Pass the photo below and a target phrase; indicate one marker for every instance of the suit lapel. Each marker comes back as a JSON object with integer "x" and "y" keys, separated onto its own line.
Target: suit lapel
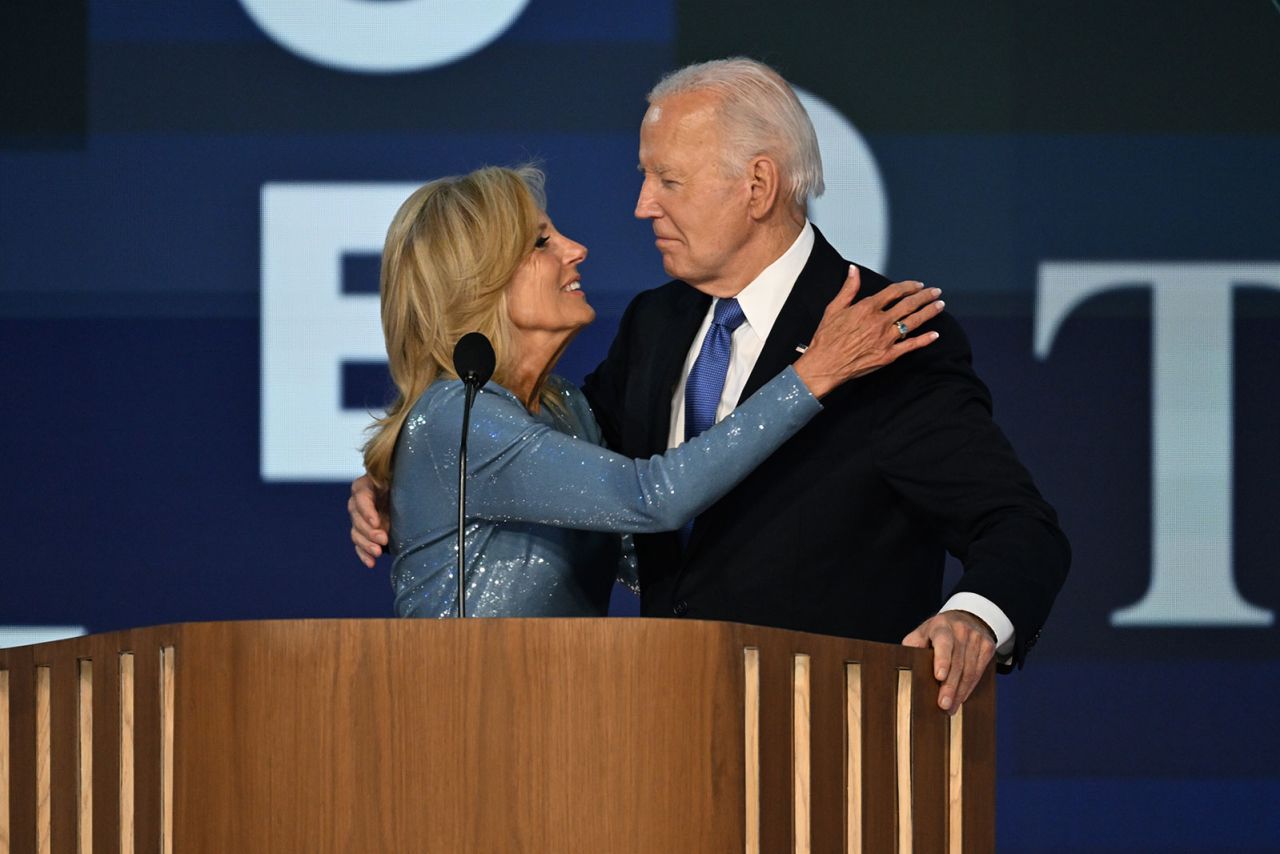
{"x": 817, "y": 285}
{"x": 671, "y": 346}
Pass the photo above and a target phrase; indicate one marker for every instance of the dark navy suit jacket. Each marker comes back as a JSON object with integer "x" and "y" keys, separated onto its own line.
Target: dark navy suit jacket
{"x": 843, "y": 530}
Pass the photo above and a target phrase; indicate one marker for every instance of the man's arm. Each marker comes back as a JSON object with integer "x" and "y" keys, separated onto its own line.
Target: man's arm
{"x": 940, "y": 449}
{"x": 369, "y": 524}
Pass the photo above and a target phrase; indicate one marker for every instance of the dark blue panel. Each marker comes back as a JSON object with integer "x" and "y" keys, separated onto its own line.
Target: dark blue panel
{"x": 179, "y": 214}
{"x": 1179, "y": 816}
{"x": 137, "y": 445}
{"x": 359, "y": 273}
{"x": 130, "y": 331}
{"x": 1175, "y": 719}
{"x": 366, "y": 386}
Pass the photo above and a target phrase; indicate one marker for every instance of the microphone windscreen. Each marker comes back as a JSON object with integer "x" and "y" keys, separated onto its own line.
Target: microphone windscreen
{"x": 473, "y": 359}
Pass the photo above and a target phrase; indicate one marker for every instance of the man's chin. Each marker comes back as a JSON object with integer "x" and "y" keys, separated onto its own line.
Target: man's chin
{"x": 670, "y": 266}
{"x": 677, "y": 267}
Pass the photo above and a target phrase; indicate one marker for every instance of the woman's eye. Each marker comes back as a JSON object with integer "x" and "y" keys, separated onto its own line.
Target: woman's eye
{"x": 542, "y": 241}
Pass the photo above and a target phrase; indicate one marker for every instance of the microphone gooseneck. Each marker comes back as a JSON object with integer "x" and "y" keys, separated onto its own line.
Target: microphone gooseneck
{"x": 473, "y": 361}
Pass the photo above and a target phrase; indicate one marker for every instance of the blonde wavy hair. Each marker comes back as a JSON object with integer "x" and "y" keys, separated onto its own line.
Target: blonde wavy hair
{"x": 452, "y": 249}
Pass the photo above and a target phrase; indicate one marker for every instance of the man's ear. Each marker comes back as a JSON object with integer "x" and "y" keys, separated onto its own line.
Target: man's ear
{"x": 762, "y": 173}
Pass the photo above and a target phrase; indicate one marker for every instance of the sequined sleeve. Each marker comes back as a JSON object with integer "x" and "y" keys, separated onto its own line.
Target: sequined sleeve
{"x": 524, "y": 471}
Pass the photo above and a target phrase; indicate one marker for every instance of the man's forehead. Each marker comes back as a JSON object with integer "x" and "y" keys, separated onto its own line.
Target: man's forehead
{"x": 684, "y": 119}
{"x": 699, "y": 105}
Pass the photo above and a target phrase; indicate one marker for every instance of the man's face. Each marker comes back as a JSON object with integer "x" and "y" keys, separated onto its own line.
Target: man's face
{"x": 700, "y": 217}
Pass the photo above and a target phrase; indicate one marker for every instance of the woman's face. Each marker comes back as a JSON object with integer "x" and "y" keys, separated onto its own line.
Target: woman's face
{"x": 545, "y": 295}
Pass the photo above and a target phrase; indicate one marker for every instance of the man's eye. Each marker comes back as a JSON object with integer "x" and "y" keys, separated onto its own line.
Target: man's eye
{"x": 668, "y": 183}
{"x": 542, "y": 241}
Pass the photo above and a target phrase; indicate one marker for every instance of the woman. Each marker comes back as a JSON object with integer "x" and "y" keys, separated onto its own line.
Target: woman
{"x": 547, "y": 502}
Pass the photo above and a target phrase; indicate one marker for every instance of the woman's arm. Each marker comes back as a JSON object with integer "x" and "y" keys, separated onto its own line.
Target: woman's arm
{"x": 525, "y": 471}
{"x": 522, "y": 470}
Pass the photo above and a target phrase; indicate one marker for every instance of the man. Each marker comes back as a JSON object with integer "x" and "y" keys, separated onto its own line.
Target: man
{"x": 843, "y": 530}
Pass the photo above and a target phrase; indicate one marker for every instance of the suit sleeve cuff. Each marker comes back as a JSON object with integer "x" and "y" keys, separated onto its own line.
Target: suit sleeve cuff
{"x": 987, "y": 611}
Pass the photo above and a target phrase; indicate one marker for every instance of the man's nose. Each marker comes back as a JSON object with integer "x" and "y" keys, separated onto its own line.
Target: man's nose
{"x": 646, "y": 208}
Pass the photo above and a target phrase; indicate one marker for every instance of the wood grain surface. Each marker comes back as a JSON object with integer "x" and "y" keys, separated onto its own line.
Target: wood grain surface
{"x": 620, "y": 735}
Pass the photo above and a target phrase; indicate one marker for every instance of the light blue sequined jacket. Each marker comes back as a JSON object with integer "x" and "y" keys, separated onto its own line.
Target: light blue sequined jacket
{"x": 545, "y": 502}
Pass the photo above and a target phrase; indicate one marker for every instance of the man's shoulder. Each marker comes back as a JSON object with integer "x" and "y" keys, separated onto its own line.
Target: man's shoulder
{"x": 664, "y": 303}
{"x": 826, "y": 263}
{"x": 670, "y": 293}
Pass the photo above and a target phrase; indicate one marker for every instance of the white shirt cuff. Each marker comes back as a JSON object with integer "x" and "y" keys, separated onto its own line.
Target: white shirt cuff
{"x": 987, "y": 611}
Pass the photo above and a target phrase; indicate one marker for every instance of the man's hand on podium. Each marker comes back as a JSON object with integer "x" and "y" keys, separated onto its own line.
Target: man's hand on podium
{"x": 963, "y": 646}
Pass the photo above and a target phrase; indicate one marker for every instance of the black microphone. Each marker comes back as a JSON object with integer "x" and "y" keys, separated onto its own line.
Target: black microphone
{"x": 473, "y": 361}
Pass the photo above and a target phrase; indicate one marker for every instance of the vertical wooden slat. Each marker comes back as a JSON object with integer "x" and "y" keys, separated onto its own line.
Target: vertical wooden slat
{"x": 800, "y": 754}
{"x": 903, "y": 763}
{"x": 928, "y": 763}
{"x": 775, "y": 748}
{"x": 4, "y": 762}
{"x": 44, "y": 761}
{"x": 879, "y": 758}
{"x": 84, "y": 745}
{"x": 979, "y": 768}
{"x": 64, "y": 733}
{"x": 751, "y": 746}
{"x": 146, "y": 749}
{"x": 826, "y": 749}
{"x": 167, "y": 678}
{"x": 22, "y": 750}
{"x": 127, "y": 752}
{"x": 955, "y": 783}
{"x": 853, "y": 757}
{"x": 106, "y": 747}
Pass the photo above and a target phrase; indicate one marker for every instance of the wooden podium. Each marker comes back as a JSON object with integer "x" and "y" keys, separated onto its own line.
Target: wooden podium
{"x": 486, "y": 735}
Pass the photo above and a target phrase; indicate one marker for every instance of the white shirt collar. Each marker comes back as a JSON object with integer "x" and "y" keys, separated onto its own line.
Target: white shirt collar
{"x": 761, "y": 300}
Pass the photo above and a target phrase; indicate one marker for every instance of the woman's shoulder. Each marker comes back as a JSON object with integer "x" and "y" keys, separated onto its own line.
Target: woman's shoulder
{"x": 445, "y": 395}
{"x": 439, "y": 394}
{"x": 433, "y": 427}
{"x": 444, "y": 390}
{"x": 578, "y": 417}
{"x": 564, "y": 390}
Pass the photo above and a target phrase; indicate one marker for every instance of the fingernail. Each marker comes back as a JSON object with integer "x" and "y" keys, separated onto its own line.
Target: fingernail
{"x": 940, "y": 304}
{"x": 937, "y": 291}
{"x": 946, "y": 703}
{"x": 941, "y": 674}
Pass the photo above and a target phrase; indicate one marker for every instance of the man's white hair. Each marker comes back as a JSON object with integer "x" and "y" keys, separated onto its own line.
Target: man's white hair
{"x": 759, "y": 114}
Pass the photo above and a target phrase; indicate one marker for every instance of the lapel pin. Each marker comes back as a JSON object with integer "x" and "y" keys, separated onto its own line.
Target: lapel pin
{"x": 800, "y": 348}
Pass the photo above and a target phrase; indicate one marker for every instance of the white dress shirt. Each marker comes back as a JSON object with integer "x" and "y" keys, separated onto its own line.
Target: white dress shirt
{"x": 761, "y": 302}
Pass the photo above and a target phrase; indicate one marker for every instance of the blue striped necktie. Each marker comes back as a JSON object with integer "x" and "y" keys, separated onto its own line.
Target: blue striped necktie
{"x": 706, "y": 379}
